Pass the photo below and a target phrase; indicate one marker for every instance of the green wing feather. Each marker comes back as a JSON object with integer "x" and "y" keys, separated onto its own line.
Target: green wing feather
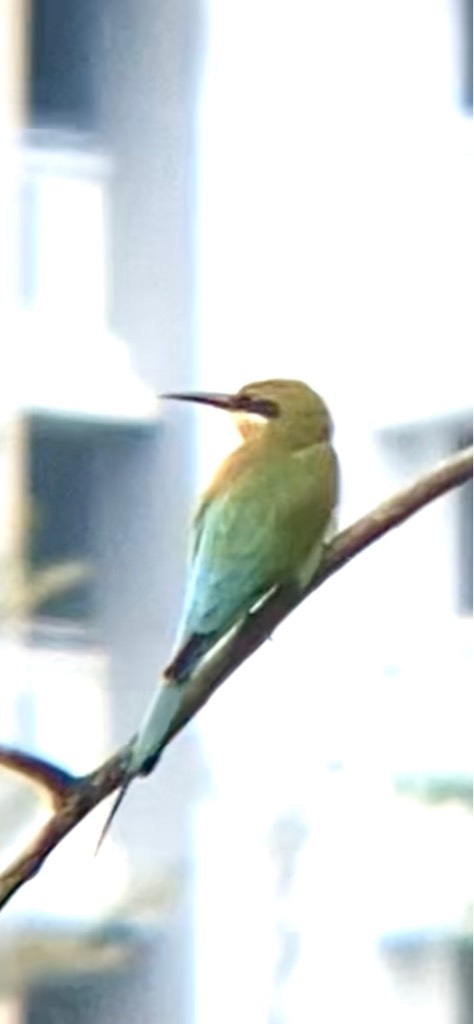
{"x": 256, "y": 526}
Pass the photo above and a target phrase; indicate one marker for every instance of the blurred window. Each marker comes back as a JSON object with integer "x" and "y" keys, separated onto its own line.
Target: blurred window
{"x": 65, "y": 65}
{"x": 61, "y": 486}
{"x": 413, "y": 448}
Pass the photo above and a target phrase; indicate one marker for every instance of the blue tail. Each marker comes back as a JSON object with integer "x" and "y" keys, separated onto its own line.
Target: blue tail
{"x": 154, "y": 729}
{"x": 147, "y": 745}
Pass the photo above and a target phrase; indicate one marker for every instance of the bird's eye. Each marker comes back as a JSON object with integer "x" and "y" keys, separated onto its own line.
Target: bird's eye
{"x": 259, "y": 406}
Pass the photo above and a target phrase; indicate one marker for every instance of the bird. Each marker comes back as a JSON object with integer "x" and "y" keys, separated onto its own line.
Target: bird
{"x": 262, "y": 523}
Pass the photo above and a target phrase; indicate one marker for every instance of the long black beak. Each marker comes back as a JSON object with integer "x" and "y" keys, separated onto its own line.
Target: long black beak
{"x": 231, "y": 403}
{"x": 221, "y": 401}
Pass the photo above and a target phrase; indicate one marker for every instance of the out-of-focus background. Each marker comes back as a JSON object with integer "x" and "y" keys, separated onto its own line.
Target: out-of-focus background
{"x": 203, "y": 193}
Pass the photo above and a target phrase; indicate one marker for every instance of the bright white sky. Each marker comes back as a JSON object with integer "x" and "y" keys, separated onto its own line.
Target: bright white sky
{"x": 335, "y": 234}
{"x": 335, "y": 210}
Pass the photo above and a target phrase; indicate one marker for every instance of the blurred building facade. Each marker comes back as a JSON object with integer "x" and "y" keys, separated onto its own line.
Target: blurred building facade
{"x": 97, "y": 138}
{"x": 274, "y": 224}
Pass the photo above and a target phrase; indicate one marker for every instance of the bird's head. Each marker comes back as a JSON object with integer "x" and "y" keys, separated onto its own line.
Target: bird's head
{"x": 287, "y": 410}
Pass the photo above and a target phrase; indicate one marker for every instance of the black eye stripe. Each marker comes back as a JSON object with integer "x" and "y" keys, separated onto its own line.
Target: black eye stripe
{"x": 259, "y": 406}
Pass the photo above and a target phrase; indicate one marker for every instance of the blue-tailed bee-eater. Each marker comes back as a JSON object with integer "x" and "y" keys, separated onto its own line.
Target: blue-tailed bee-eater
{"x": 260, "y": 524}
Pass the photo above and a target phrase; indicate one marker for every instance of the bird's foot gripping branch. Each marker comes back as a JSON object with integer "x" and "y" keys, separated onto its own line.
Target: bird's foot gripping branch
{"x": 73, "y": 797}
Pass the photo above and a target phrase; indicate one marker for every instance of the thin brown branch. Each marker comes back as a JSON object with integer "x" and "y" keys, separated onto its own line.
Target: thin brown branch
{"x": 73, "y": 797}
{"x": 48, "y": 776}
